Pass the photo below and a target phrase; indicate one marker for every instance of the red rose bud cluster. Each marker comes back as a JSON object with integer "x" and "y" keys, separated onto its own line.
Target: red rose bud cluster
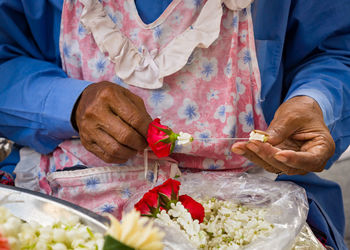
{"x": 160, "y": 138}
{"x": 161, "y": 197}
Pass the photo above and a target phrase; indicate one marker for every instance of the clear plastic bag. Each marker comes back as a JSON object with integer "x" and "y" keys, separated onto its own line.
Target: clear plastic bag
{"x": 285, "y": 202}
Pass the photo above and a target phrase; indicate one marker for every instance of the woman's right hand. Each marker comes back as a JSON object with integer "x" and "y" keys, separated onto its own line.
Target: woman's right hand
{"x": 112, "y": 122}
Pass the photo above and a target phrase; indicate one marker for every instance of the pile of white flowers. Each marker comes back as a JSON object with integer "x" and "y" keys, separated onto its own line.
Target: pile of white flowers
{"x": 69, "y": 234}
{"x": 226, "y": 225}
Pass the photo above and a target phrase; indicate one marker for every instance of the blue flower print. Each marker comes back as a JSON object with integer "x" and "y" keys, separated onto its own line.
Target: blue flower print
{"x": 230, "y": 127}
{"x": 221, "y": 111}
{"x": 126, "y": 193}
{"x": 81, "y": 30}
{"x": 115, "y": 16}
{"x": 92, "y": 183}
{"x": 247, "y": 58}
{"x": 189, "y": 111}
{"x": 52, "y": 168}
{"x": 234, "y": 22}
{"x": 228, "y": 68}
{"x": 244, "y": 61}
{"x": 212, "y": 164}
{"x": 246, "y": 119}
{"x": 204, "y": 137}
{"x": 98, "y": 65}
{"x": 190, "y": 4}
{"x": 150, "y": 176}
{"x": 160, "y": 100}
{"x": 157, "y": 32}
{"x": 66, "y": 50}
{"x": 213, "y": 94}
{"x": 107, "y": 208}
{"x": 208, "y": 69}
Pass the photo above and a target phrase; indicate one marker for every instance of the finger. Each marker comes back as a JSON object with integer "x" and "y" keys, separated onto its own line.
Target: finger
{"x": 266, "y": 153}
{"x": 99, "y": 152}
{"x": 278, "y": 131}
{"x": 301, "y": 160}
{"x": 123, "y": 133}
{"x": 241, "y": 149}
{"x": 111, "y": 149}
{"x": 131, "y": 114}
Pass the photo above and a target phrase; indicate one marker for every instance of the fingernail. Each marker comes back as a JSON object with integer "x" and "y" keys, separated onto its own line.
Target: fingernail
{"x": 253, "y": 147}
{"x": 237, "y": 151}
{"x": 281, "y": 158}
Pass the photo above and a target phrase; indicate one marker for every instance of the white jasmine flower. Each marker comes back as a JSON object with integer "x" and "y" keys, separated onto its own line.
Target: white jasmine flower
{"x": 184, "y": 138}
{"x": 258, "y": 136}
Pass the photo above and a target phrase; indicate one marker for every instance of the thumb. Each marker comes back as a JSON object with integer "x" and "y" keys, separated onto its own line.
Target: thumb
{"x": 279, "y": 130}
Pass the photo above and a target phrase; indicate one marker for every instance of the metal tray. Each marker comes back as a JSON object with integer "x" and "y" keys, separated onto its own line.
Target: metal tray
{"x": 45, "y": 209}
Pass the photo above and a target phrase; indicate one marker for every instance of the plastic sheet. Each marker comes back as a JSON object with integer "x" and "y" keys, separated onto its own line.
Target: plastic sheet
{"x": 285, "y": 202}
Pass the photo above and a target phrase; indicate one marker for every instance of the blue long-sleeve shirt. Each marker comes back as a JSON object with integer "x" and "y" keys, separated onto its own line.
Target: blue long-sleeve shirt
{"x": 303, "y": 48}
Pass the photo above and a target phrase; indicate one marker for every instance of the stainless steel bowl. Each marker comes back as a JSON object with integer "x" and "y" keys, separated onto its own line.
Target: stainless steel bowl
{"x": 45, "y": 209}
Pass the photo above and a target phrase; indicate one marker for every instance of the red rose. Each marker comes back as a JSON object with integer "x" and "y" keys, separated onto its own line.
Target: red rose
{"x": 149, "y": 204}
{"x": 168, "y": 192}
{"x": 4, "y": 245}
{"x": 194, "y": 208}
{"x": 160, "y": 138}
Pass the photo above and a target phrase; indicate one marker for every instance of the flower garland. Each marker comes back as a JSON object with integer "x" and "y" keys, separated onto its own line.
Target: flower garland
{"x": 208, "y": 224}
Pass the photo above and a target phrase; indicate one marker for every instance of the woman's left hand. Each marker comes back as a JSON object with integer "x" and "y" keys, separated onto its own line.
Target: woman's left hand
{"x": 299, "y": 141}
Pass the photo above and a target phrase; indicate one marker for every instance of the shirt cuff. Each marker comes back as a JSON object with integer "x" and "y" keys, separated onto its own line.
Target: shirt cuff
{"x": 321, "y": 98}
{"x": 59, "y": 106}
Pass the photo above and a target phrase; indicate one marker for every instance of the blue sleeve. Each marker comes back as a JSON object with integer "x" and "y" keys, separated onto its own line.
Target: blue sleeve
{"x": 321, "y": 30}
{"x": 36, "y": 96}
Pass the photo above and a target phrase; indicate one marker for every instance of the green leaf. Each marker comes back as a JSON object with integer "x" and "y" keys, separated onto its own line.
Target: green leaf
{"x": 113, "y": 244}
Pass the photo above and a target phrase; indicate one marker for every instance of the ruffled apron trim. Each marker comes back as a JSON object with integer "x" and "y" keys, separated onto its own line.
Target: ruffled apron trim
{"x": 146, "y": 69}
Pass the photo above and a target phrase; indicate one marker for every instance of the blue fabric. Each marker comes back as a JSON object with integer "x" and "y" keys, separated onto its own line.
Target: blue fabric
{"x": 150, "y": 10}
{"x": 326, "y": 211}
{"x": 303, "y": 48}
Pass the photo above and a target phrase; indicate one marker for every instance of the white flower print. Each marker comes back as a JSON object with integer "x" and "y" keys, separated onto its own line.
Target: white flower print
{"x": 81, "y": 31}
{"x": 191, "y": 4}
{"x": 71, "y": 52}
{"x": 212, "y": 164}
{"x": 176, "y": 18}
{"x": 98, "y": 65}
{"x": 189, "y": 111}
{"x": 161, "y": 33}
{"x": 239, "y": 87}
{"x": 184, "y": 149}
{"x": 228, "y": 153}
{"x": 129, "y": 8}
{"x": 246, "y": 119}
{"x": 115, "y": 15}
{"x": 243, "y": 36}
{"x": 184, "y": 82}
{"x": 202, "y": 125}
{"x": 228, "y": 68}
{"x": 231, "y": 21}
{"x": 204, "y": 137}
{"x": 207, "y": 69}
{"x": 230, "y": 127}
{"x": 244, "y": 59}
{"x": 134, "y": 34}
{"x": 213, "y": 94}
{"x": 160, "y": 100}
{"x": 220, "y": 113}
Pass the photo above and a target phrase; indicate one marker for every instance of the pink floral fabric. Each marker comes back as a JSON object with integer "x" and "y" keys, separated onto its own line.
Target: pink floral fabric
{"x": 216, "y": 94}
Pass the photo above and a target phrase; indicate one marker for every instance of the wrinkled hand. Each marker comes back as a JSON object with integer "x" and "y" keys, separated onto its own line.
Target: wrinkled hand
{"x": 299, "y": 141}
{"x": 112, "y": 122}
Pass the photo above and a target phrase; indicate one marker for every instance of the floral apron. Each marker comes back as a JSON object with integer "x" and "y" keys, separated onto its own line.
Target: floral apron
{"x": 195, "y": 67}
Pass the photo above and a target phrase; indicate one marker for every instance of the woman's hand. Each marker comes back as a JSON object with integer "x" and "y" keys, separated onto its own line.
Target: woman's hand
{"x": 112, "y": 122}
{"x": 299, "y": 141}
